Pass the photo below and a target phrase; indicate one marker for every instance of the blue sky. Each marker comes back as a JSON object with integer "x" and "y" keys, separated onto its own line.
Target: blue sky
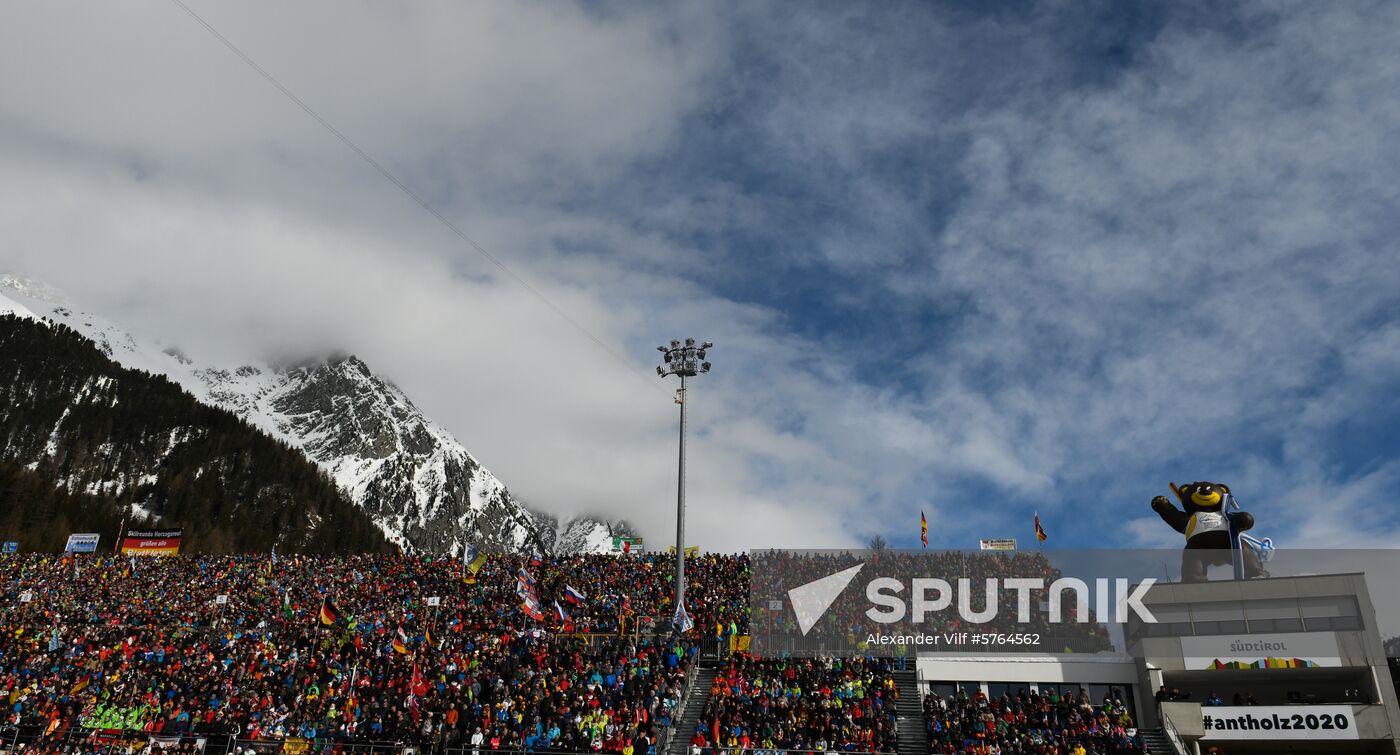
{"x": 975, "y": 260}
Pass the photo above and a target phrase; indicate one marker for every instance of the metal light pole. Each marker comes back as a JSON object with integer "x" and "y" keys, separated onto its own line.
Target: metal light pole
{"x": 686, "y": 361}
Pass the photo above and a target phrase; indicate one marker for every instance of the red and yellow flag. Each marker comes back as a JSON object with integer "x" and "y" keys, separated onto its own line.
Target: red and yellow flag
{"x": 1040, "y": 531}
{"x": 923, "y": 528}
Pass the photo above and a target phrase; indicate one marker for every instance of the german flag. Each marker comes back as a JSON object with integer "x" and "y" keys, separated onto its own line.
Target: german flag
{"x": 400, "y": 642}
{"x": 1040, "y": 531}
{"x": 428, "y": 636}
{"x": 923, "y": 528}
{"x": 329, "y": 613}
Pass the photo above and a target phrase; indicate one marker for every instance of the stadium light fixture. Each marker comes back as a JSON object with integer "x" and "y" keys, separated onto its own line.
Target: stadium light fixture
{"x": 686, "y": 362}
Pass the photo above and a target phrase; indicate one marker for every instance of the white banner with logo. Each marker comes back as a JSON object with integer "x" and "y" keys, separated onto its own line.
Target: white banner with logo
{"x": 1286, "y": 650}
{"x": 1311, "y": 722}
{"x": 82, "y": 542}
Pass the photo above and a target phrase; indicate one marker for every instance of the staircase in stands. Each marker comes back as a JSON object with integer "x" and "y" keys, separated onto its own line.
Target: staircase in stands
{"x": 1157, "y": 742}
{"x": 909, "y": 712}
{"x": 692, "y": 705}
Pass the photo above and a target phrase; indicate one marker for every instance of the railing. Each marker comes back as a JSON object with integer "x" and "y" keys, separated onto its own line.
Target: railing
{"x": 113, "y": 742}
{"x": 692, "y": 670}
{"x": 772, "y": 751}
{"x": 1168, "y": 728}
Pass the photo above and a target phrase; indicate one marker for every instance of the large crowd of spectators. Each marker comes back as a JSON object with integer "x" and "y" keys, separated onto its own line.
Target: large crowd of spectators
{"x": 1029, "y": 723}
{"x": 323, "y": 653}
{"x": 803, "y": 704}
{"x": 235, "y": 647}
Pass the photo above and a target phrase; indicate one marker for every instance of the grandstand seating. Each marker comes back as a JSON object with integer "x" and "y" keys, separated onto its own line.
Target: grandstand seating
{"x": 1028, "y": 722}
{"x": 347, "y": 655}
{"x": 235, "y": 647}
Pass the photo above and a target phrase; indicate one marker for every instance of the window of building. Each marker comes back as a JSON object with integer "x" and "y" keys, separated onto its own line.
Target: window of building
{"x": 1294, "y": 624}
{"x": 943, "y": 690}
{"x": 1223, "y": 617}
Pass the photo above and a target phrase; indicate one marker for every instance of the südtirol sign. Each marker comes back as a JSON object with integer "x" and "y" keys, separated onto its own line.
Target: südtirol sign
{"x": 1242, "y": 651}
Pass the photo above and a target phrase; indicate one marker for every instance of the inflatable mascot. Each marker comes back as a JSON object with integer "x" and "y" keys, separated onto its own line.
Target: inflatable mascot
{"x": 1212, "y": 523}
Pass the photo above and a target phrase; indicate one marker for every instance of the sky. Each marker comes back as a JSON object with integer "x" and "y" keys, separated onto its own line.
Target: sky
{"x": 975, "y": 260}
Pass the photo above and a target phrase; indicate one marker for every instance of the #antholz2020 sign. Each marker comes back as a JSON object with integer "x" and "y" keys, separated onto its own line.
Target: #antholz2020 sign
{"x": 1279, "y": 722}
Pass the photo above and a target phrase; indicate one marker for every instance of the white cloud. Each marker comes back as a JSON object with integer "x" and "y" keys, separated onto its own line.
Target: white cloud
{"x": 1182, "y": 268}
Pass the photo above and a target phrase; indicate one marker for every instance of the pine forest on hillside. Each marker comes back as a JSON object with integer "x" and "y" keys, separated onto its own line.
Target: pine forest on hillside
{"x": 82, "y": 440}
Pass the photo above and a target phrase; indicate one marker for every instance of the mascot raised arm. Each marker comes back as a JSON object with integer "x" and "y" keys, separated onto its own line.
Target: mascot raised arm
{"x": 1211, "y": 530}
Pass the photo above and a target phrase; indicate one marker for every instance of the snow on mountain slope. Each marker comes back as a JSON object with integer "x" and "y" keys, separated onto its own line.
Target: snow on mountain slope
{"x": 420, "y": 485}
{"x": 11, "y": 307}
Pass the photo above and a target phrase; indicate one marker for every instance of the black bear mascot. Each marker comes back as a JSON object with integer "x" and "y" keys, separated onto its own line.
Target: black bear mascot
{"x": 1208, "y": 528}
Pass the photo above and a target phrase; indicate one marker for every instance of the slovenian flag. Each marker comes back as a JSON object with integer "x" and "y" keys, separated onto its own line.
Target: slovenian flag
{"x": 572, "y": 596}
{"x": 923, "y": 528}
{"x": 1040, "y": 531}
{"x": 401, "y": 642}
{"x": 532, "y": 609}
{"x": 524, "y": 577}
{"x": 329, "y": 613}
{"x": 559, "y": 611}
{"x": 536, "y": 558}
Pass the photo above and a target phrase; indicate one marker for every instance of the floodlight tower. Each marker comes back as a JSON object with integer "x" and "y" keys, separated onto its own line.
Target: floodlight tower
{"x": 686, "y": 360}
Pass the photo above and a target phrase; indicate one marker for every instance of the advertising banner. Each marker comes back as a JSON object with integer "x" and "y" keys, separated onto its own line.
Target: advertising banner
{"x": 152, "y": 542}
{"x": 84, "y": 542}
{"x": 1274, "y": 722}
{"x": 1290, "y": 650}
{"x": 10, "y": 546}
{"x": 998, "y": 544}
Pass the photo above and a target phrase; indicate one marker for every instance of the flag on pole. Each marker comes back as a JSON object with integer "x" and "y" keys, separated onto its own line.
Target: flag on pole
{"x": 559, "y": 611}
{"x": 474, "y": 559}
{"x": 524, "y": 577}
{"x": 419, "y": 686}
{"x": 400, "y": 643}
{"x": 329, "y": 613}
{"x": 428, "y": 636}
{"x": 923, "y": 528}
{"x": 682, "y": 619}
{"x": 626, "y": 547}
{"x": 572, "y": 596}
{"x": 1040, "y": 531}
{"x": 532, "y": 608}
{"x": 536, "y": 558}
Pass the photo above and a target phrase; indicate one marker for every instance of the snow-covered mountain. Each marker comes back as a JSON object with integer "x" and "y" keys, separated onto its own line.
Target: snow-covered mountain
{"x": 418, "y": 483}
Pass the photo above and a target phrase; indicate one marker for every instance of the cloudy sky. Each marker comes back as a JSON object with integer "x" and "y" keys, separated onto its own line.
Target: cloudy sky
{"x": 979, "y": 261}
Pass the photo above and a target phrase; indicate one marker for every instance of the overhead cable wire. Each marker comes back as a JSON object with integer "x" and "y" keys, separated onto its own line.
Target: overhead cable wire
{"x": 411, "y": 194}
